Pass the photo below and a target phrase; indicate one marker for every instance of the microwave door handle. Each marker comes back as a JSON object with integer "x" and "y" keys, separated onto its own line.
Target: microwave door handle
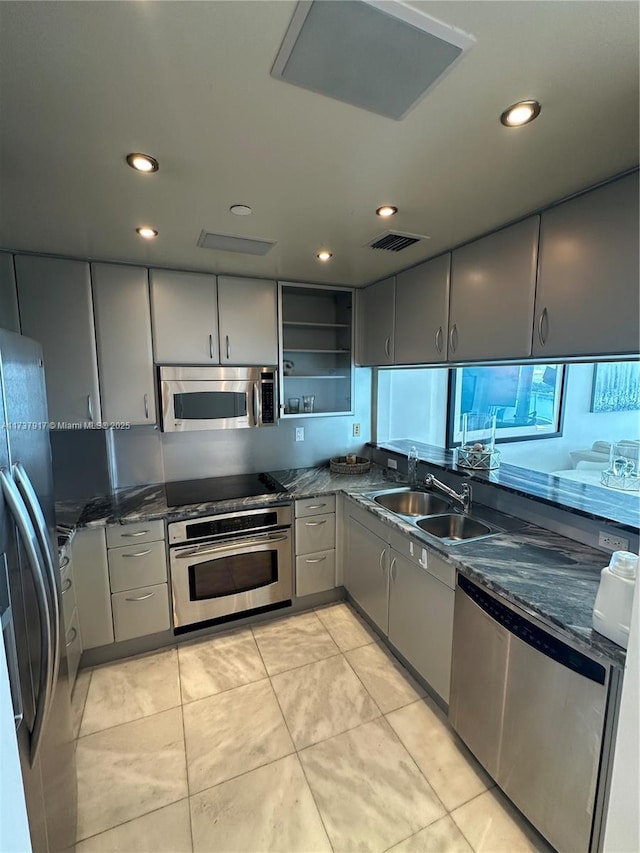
{"x": 28, "y": 494}
{"x": 257, "y": 413}
{"x": 28, "y": 537}
{"x": 232, "y": 545}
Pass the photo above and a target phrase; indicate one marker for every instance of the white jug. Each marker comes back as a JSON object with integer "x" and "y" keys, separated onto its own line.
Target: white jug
{"x": 612, "y": 609}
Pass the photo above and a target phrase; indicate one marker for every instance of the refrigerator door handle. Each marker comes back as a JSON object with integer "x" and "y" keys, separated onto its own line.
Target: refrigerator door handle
{"x": 28, "y": 536}
{"x": 28, "y": 493}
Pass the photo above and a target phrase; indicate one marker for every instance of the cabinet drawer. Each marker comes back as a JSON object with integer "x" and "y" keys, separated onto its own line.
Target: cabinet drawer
{"x": 315, "y": 572}
{"x": 127, "y": 534}
{"x": 139, "y": 612}
{"x": 68, "y": 594}
{"x": 73, "y": 647}
{"x": 315, "y": 506}
{"x": 137, "y": 565}
{"x": 315, "y": 534}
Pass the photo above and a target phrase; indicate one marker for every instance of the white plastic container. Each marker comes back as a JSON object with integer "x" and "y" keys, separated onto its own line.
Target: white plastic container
{"x": 612, "y": 609}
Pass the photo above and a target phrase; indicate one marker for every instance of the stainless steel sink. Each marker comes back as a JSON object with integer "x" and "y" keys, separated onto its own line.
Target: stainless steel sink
{"x": 412, "y": 504}
{"x": 455, "y": 527}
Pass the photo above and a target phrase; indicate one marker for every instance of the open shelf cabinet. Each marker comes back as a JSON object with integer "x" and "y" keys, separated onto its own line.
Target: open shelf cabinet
{"x": 316, "y": 349}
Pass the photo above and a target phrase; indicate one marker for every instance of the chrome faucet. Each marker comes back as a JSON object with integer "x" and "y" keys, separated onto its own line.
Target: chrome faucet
{"x": 464, "y": 497}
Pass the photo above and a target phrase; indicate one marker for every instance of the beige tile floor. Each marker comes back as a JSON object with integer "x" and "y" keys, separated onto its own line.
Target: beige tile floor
{"x": 302, "y": 734}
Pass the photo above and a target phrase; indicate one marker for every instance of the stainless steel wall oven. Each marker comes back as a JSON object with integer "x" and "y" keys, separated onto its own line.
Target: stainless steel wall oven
{"x": 227, "y": 564}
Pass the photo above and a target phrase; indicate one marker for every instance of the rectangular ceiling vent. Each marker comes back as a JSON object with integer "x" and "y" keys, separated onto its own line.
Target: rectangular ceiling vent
{"x": 380, "y": 55}
{"x": 395, "y": 241}
{"x": 231, "y": 243}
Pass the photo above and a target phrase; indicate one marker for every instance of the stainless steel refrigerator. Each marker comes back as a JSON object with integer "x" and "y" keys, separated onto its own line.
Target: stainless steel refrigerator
{"x": 30, "y": 593}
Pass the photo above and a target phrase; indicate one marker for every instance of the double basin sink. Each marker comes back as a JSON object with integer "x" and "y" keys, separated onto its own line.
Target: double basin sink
{"x": 433, "y": 514}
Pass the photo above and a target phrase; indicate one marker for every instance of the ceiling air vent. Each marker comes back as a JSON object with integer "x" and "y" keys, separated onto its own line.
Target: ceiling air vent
{"x": 230, "y": 243}
{"x": 395, "y": 241}
{"x": 380, "y": 55}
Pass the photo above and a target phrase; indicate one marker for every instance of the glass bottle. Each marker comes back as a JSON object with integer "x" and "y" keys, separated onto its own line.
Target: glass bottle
{"x": 412, "y": 466}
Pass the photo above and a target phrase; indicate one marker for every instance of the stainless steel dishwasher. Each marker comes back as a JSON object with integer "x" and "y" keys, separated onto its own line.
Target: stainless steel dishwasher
{"x": 534, "y": 711}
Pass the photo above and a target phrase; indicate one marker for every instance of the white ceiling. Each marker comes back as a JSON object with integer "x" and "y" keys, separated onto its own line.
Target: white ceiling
{"x": 84, "y": 83}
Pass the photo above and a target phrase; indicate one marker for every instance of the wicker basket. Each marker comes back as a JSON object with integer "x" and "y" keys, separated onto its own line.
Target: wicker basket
{"x": 339, "y": 465}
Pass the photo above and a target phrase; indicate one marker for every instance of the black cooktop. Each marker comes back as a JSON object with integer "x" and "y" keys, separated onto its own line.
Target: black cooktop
{"x": 220, "y": 489}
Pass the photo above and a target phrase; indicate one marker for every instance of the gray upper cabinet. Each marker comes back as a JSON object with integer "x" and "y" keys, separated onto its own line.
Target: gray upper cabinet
{"x": 248, "y": 321}
{"x": 9, "y": 317}
{"x": 56, "y": 308}
{"x": 184, "y": 310}
{"x": 376, "y": 311}
{"x": 587, "y": 302}
{"x": 422, "y": 310}
{"x": 493, "y": 284}
{"x": 123, "y": 331}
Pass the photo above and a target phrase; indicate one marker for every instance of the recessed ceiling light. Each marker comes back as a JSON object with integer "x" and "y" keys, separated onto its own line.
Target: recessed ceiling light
{"x": 143, "y": 162}
{"x": 241, "y": 209}
{"x": 521, "y": 113}
{"x": 324, "y": 255}
{"x": 387, "y": 210}
{"x": 146, "y": 232}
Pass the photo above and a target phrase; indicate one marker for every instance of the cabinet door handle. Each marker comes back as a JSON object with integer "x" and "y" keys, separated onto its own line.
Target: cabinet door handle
{"x": 66, "y": 586}
{"x": 316, "y": 506}
{"x": 382, "y": 553}
{"x": 387, "y": 343}
{"x": 228, "y": 348}
{"x": 315, "y": 523}
{"x": 139, "y": 553}
{"x": 210, "y": 346}
{"x": 73, "y": 634}
{"x": 393, "y": 570}
{"x": 89, "y": 407}
{"x": 317, "y": 560}
{"x": 146, "y": 406}
{"x": 141, "y": 597}
{"x": 65, "y": 562}
{"x": 439, "y": 339}
{"x": 453, "y": 337}
{"x": 541, "y": 322}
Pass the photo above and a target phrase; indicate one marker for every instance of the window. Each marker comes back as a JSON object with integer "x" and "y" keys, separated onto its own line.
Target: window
{"x": 526, "y": 399}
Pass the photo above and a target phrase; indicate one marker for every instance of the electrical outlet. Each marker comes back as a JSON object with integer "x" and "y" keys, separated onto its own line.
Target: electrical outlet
{"x": 391, "y": 463}
{"x": 299, "y": 433}
{"x": 356, "y": 430}
{"x": 613, "y": 543}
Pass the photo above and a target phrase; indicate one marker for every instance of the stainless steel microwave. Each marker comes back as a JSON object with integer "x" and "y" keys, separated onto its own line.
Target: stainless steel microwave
{"x": 195, "y": 398}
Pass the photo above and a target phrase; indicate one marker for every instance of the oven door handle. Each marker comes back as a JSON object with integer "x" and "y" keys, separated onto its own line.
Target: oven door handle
{"x": 231, "y": 545}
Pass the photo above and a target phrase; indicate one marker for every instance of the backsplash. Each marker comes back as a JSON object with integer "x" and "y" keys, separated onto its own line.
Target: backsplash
{"x": 140, "y": 456}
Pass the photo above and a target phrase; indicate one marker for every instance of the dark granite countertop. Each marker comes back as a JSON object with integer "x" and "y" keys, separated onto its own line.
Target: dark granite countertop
{"x": 553, "y": 578}
{"x": 579, "y": 498}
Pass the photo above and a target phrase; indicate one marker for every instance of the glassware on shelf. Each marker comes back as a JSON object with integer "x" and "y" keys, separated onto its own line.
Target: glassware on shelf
{"x": 308, "y": 401}
{"x": 478, "y": 442}
{"x": 293, "y": 406}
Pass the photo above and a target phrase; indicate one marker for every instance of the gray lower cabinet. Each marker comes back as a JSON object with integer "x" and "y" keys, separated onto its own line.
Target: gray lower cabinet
{"x": 422, "y": 313}
{"x": 493, "y": 282}
{"x": 588, "y": 300}
{"x": 376, "y": 324}
{"x": 421, "y": 618}
{"x": 9, "y": 317}
{"x": 247, "y": 321}
{"x": 367, "y": 572}
{"x": 138, "y": 612}
{"x": 123, "y": 331}
{"x": 315, "y": 545}
{"x": 93, "y": 595}
{"x": 184, "y": 311}
{"x": 56, "y": 308}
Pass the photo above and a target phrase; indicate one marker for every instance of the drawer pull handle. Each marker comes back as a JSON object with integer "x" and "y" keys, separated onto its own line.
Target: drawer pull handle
{"x": 73, "y": 634}
{"x": 141, "y": 597}
{"x": 65, "y": 562}
{"x": 317, "y": 560}
{"x": 133, "y": 535}
{"x": 315, "y": 506}
{"x": 66, "y": 586}
{"x": 139, "y": 554}
{"x": 315, "y": 523}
